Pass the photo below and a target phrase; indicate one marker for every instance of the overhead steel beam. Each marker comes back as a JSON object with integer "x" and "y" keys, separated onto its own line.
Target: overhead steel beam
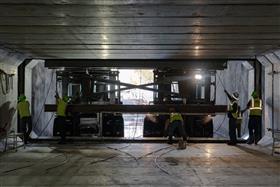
{"x": 184, "y": 109}
{"x": 138, "y": 63}
{"x": 142, "y": 2}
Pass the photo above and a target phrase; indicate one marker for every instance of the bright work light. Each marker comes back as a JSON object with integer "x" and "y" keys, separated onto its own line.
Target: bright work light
{"x": 198, "y": 76}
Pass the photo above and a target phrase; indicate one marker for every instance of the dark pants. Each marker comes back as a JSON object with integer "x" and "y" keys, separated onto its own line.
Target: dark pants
{"x": 254, "y": 126}
{"x": 176, "y": 125}
{"x": 26, "y": 127}
{"x": 232, "y": 130}
{"x": 61, "y": 123}
{"x": 238, "y": 130}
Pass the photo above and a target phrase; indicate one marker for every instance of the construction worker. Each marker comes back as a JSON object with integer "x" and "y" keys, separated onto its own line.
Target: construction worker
{"x": 255, "y": 118}
{"x": 61, "y": 116}
{"x": 25, "y": 117}
{"x": 175, "y": 122}
{"x": 232, "y": 115}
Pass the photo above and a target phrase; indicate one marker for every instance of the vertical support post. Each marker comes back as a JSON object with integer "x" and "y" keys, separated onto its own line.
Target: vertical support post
{"x": 100, "y": 121}
{"x": 207, "y": 86}
{"x": 21, "y": 81}
{"x": 112, "y": 87}
{"x": 119, "y": 87}
{"x": 64, "y": 87}
{"x": 272, "y": 107}
{"x": 258, "y": 80}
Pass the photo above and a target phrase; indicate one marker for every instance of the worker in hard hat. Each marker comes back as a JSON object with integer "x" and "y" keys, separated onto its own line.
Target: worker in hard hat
{"x": 25, "y": 117}
{"x": 174, "y": 122}
{"x": 255, "y": 118}
{"x": 232, "y": 115}
{"x": 61, "y": 116}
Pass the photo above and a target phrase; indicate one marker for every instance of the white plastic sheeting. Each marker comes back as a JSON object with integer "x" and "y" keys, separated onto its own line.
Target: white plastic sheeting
{"x": 271, "y": 93}
{"x": 43, "y": 91}
{"x": 239, "y": 76}
{"x": 9, "y": 62}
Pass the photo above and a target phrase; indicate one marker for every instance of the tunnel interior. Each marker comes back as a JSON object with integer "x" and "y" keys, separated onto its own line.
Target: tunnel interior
{"x": 131, "y": 69}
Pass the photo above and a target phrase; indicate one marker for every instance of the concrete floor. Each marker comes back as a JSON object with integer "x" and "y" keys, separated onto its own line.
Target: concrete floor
{"x": 138, "y": 165}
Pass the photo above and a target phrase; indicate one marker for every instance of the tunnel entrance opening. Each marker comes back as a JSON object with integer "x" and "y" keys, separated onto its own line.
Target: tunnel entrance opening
{"x": 137, "y": 99}
{"x": 133, "y": 123}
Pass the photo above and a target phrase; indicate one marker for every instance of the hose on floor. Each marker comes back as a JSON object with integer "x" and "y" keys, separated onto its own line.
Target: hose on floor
{"x": 158, "y": 165}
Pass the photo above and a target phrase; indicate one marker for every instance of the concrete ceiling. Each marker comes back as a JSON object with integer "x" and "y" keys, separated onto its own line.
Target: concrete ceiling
{"x": 140, "y": 29}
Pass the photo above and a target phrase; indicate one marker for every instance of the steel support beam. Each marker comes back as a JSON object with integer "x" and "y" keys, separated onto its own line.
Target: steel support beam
{"x": 184, "y": 109}
{"x": 138, "y": 63}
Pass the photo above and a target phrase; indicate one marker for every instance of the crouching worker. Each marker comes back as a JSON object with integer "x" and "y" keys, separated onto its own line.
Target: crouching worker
{"x": 25, "y": 117}
{"x": 175, "y": 122}
{"x": 61, "y": 116}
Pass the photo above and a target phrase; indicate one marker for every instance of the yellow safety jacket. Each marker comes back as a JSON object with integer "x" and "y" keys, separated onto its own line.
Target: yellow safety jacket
{"x": 233, "y": 113}
{"x": 61, "y": 108}
{"x": 256, "y": 107}
{"x": 175, "y": 117}
{"x": 23, "y": 109}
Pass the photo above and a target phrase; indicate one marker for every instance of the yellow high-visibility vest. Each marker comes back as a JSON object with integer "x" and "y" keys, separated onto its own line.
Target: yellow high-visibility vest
{"x": 256, "y": 107}
{"x": 61, "y": 108}
{"x": 234, "y": 114}
{"x": 23, "y": 109}
{"x": 175, "y": 117}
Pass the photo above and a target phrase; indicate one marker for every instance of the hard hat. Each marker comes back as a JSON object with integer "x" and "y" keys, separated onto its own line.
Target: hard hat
{"x": 254, "y": 94}
{"x": 21, "y": 98}
{"x": 235, "y": 95}
{"x": 65, "y": 98}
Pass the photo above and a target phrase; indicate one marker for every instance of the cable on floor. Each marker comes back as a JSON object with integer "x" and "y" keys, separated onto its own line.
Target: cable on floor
{"x": 158, "y": 165}
{"x": 66, "y": 159}
{"x": 153, "y": 152}
{"x": 132, "y": 156}
{"x": 108, "y": 158}
{"x": 103, "y": 160}
{"x": 27, "y": 166}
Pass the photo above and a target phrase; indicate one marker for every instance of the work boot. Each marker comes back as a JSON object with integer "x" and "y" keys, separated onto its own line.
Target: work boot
{"x": 170, "y": 141}
{"x": 182, "y": 144}
{"x": 26, "y": 139}
{"x": 62, "y": 142}
{"x": 249, "y": 142}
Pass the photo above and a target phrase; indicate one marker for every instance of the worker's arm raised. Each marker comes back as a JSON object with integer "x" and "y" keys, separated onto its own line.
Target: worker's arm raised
{"x": 228, "y": 95}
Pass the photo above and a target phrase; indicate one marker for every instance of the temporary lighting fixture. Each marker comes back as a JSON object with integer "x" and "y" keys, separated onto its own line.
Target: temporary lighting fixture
{"x": 198, "y": 76}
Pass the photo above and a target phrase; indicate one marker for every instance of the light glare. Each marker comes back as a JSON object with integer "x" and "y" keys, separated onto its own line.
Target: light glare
{"x": 198, "y": 76}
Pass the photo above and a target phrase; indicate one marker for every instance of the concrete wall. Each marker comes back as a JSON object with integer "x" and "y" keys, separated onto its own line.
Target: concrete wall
{"x": 43, "y": 91}
{"x": 9, "y": 62}
{"x": 239, "y": 76}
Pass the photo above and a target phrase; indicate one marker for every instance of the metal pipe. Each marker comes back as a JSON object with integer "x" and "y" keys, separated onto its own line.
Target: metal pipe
{"x": 273, "y": 77}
